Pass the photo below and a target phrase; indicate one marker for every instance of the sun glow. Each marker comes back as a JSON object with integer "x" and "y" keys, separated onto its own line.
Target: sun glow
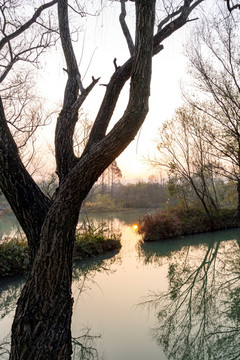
{"x": 135, "y": 227}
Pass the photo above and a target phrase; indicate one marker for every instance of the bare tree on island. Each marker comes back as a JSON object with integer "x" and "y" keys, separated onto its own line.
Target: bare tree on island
{"x": 42, "y": 324}
{"x": 214, "y": 67}
{"x": 189, "y": 160}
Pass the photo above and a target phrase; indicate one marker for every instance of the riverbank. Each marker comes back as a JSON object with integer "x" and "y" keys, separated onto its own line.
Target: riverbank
{"x": 176, "y": 222}
{"x": 14, "y": 254}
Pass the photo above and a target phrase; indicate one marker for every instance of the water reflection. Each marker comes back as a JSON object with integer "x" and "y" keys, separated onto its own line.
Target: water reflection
{"x": 127, "y": 217}
{"x": 108, "y": 303}
{"x": 199, "y": 316}
{"x": 10, "y": 289}
{"x": 85, "y": 341}
{"x": 85, "y": 346}
{"x": 5, "y": 347}
{"x": 8, "y": 225}
{"x": 195, "y": 316}
{"x": 84, "y": 272}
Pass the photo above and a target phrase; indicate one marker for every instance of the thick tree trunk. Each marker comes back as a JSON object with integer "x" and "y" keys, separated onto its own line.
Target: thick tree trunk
{"x": 42, "y": 325}
{"x": 42, "y": 331}
{"x": 238, "y": 200}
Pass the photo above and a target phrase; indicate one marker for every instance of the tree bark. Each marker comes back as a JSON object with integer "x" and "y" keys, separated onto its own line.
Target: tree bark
{"x": 42, "y": 324}
{"x": 238, "y": 200}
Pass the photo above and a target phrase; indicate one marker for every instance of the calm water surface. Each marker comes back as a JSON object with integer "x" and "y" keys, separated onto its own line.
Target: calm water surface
{"x": 178, "y": 299}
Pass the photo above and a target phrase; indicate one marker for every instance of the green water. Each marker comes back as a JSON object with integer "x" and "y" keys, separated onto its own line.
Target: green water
{"x": 175, "y": 300}
{"x": 8, "y": 225}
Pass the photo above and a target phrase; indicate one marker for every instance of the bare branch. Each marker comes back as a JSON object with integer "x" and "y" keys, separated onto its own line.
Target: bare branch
{"x": 74, "y": 77}
{"x": 123, "y": 73}
{"x": 81, "y": 98}
{"x": 125, "y": 29}
{"x": 177, "y": 23}
{"x": 16, "y": 46}
{"x": 68, "y": 117}
{"x": 231, "y": 8}
{"x": 169, "y": 17}
{"x": 25, "y": 26}
{"x": 115, "y": 63}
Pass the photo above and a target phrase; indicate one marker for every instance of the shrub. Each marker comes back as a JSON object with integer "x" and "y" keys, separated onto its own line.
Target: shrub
{"x": 92, "y": 240}
{"x": 86, "y": 247}
{"x": 14, "y": 257}
{"x": 160, "y": 225}
{"x": 173, "y": 222}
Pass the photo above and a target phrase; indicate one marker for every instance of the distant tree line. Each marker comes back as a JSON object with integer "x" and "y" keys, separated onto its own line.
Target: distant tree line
{"x": 139, "y": 195}
{"x": 174, "y": 191}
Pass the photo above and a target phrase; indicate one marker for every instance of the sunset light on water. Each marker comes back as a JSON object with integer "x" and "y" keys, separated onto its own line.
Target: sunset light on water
{"x": 135, "y": 227}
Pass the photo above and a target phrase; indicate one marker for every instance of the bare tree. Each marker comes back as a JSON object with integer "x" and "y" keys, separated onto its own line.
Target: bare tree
{"x": 188, "y": 158}
{"x": 42, "y": 324}
{"x": 19, "y": 58}
{"x": 109, "y": 177}
{"x": 18, "y": 45}
{"x": 215, "y": 70}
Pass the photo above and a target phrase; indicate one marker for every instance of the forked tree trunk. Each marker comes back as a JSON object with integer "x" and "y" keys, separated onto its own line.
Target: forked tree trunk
{"x": 42, "y": 326}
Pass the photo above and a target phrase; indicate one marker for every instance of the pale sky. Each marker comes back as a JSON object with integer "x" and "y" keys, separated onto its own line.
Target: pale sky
{"x": 101, "y": 43}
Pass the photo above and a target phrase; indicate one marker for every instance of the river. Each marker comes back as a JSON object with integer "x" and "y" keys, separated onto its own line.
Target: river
{"x": 171, "y": 300}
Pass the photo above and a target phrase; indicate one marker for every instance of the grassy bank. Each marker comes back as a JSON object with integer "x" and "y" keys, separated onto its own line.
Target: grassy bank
{"x": 175, "y": 222}
{"x": 14, "y": 254}
{"x": 87, "y": 246}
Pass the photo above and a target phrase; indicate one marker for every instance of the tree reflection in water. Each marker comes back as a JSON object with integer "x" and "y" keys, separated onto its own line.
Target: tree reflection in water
{"x": 10, "y": 289}
{"x": 199, "y": 316}
{"x": 84, "y": 345}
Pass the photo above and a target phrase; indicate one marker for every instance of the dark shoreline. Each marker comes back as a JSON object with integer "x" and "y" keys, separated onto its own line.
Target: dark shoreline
{"x": 193, "y": 232}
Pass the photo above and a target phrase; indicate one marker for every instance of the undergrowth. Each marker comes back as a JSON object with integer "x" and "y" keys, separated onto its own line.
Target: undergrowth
{"x": 14, "y": 256}
{"x": 90, "y": 241}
